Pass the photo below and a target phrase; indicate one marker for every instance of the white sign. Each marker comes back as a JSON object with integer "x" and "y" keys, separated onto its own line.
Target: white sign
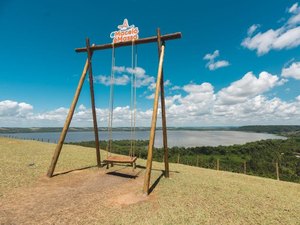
{"x": 125, "y": 33}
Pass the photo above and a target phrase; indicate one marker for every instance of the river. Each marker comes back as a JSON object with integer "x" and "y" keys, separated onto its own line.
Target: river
{"x": 185, "y": 138}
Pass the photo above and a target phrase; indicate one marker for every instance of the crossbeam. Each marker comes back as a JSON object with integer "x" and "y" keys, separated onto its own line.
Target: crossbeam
{"x": 165, "y": 37}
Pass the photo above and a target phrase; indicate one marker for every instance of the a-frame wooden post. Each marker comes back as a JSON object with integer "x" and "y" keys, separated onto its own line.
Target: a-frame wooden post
{"x": 68, "y": 121}
{"x": 91, "y": 79}
{"x": 63, "y": 134}
{"x": 153, "y": 124}
{"x": 163, "y": 109}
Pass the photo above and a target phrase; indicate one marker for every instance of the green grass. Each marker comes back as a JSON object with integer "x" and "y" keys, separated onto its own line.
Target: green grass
{"x": 22, "y": 162}
{"x": 191, "y": 196}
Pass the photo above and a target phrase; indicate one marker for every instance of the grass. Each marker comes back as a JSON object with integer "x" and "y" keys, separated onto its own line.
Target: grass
{"x": 191, "y": 196}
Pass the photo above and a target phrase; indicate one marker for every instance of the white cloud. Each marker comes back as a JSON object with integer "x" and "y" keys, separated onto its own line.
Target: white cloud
{"x": 142, "y": 79}
{"x": 82, "y": 107}
{"x": 152, "y": 86}
{"x": 212, "y": 64}
{"x": 57, "y": 115}
{"x": 285, "y": 37}
{"x": 123, "y": 77}
{"x": 293, "y": 8}
{"x": 293, "y": 71}
{"x": 10, "y": 108}
{"x": 150, "y": 96}
{"x": 244, "y": 101}
{"x": 118, "y": 80}
{"x": 167, "y": 83}
{"x": 249, "y": 86}
{"x": 198, "y": 101}
{"x": 137, "y": 71}
{"x": 175, "y": 88}
{"x": 218, "y": 64}
{"x": 212, "y": 56}
{"x": 119, "y": 69}
{"x": 282, "y": 81}
{"x": 252, "y": 29}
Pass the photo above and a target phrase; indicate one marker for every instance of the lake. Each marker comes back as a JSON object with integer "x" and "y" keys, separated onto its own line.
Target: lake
{"x": 185, "y": 138}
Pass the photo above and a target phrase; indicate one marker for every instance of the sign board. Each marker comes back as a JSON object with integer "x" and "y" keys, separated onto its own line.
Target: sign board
{"x": 125, "y": 33}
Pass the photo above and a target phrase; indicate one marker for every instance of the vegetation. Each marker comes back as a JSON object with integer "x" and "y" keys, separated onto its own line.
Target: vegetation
{"x": 260, "y": 157}
{"x": 272, "y": 129}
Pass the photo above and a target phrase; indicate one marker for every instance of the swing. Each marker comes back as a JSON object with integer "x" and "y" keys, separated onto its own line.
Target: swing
{"x": 131, "y": 158}
{"x": 159, "y": 90}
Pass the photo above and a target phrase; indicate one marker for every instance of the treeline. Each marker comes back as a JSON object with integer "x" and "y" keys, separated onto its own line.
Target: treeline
{"x": 260, "y": 157}
{"x": 289, "y": 130}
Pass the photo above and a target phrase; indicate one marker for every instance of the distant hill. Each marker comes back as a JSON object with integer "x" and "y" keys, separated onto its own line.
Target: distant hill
{"x": 273, "y": 129}
{"x": 285, "y": 130}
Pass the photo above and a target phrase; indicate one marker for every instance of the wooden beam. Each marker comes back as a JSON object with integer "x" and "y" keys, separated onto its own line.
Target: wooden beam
{"x": 91, "y": 80}
{"x": 153, "y": 124}
{"x": 163, "y": 110}
{"x": 129, "y": 43}
{"x": 68, "y": 121}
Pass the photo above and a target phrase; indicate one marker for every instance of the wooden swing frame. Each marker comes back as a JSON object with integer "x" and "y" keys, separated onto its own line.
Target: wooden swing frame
{"x": 160, "y": 39}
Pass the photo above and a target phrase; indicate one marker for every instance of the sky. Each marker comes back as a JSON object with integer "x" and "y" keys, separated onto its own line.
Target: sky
{"x": 237, "y": 63}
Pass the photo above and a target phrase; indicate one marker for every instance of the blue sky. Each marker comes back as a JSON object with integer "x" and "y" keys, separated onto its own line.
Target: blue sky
{"x": 238, "y": 62}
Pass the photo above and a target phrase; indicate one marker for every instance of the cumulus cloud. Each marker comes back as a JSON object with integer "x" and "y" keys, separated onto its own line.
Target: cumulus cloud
{"x": 247, "y": 87}
{"x": 142, "y": 79}
{"x": 10, "y": 108}
{"x": 285, "y": 37}
{"x": 212, "y": 63}
{"x": 106, "y": 80}
{"x": 150, "y": 96}
{"x": 175, "y": 88}
{"x": 122, "y": 76}
{"x": 245, "y": 101}
{"x": 293, "y": 8}
{"x": 252, "y": 29}
{"x": 292, "y": 71}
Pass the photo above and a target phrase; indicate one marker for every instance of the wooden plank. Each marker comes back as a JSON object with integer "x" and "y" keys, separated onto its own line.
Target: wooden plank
{"x": 120, "y": 159}
{"x": 163, "y": 110}
{"x": 153, "y": 125}
{"x": 91, "y": 81}
{"x": 67, "y": 122}
{"x": 129, "y": 43}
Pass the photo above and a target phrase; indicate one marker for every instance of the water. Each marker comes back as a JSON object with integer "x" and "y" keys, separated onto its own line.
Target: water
{"x": 180, "y": 138}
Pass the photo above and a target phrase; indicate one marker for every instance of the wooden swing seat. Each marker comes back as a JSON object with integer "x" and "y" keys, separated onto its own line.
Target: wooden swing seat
{"x": 120, "y": 159}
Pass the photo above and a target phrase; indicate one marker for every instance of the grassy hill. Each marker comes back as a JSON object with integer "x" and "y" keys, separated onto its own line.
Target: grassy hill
{"x": 191, "y": 196}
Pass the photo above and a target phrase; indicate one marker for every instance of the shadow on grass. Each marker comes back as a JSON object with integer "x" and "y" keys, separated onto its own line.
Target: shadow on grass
{"x": 143, "y": 167}
{"x": 124, "y": 175}
{"x": 153, "y": 186}
{"x": 70, "y": 171}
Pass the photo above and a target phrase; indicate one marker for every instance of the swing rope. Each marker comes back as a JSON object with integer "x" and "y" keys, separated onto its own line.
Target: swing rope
{"x": 133, "y": 99}
{"x": 111, "y": 103}
{"x": 132, "y": 102}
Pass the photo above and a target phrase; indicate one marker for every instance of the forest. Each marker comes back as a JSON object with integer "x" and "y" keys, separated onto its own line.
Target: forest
{"x": 254, "y": 158}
